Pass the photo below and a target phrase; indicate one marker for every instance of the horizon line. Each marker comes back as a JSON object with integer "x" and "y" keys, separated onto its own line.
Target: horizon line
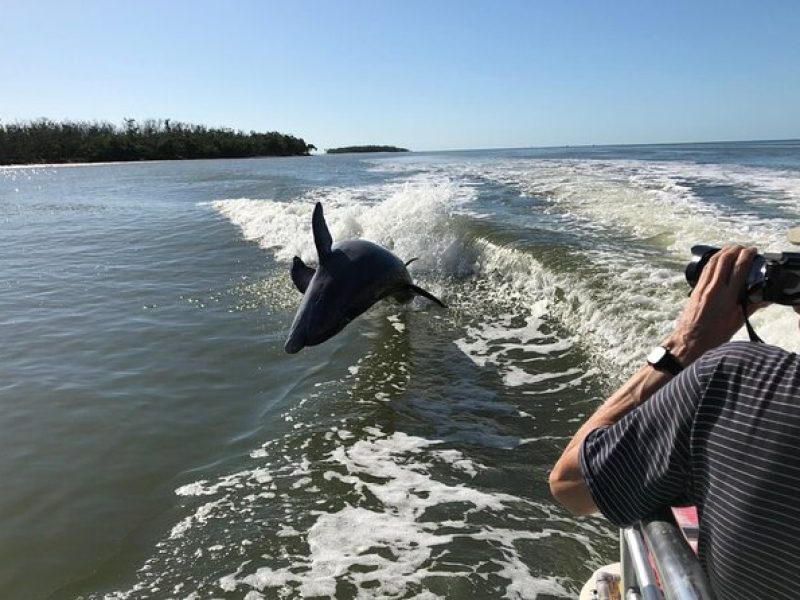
{"x": 617, "y": 145}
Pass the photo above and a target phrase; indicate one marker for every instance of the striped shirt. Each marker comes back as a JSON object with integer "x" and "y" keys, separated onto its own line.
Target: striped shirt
{"x": 723, "y": 435}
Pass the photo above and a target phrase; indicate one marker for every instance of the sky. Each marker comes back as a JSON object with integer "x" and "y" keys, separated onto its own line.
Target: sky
{"x": 426, "y": 75}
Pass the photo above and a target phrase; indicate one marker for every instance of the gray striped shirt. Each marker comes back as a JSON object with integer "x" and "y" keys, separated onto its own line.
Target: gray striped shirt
{"x": 723, "y": 435}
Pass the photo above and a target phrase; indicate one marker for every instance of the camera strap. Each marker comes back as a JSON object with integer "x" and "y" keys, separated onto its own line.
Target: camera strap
{"x": 754, "y": 337}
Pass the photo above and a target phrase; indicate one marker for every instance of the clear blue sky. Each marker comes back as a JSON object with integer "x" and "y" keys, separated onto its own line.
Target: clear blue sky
{"x": 422, "y": 74}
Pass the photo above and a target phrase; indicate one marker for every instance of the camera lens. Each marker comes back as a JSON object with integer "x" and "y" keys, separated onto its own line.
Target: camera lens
{"x": 700, "y": 256}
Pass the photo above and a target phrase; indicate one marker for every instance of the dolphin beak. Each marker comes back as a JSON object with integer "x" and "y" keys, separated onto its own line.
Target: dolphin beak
{"x": 296, "y": 340}
{"x": 294, "y": 344}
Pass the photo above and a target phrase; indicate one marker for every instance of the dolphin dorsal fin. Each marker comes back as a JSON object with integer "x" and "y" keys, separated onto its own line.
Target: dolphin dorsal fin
{"x": 301, "y": 274}
{"x": 322, "y": 237}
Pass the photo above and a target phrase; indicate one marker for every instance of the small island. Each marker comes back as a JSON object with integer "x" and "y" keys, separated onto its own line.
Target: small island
{"x": 45, "y": 141}
{"x": 351, "y": 149}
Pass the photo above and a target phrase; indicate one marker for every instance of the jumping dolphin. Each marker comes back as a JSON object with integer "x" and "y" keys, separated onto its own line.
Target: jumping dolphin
{"x": 352, "y": 276}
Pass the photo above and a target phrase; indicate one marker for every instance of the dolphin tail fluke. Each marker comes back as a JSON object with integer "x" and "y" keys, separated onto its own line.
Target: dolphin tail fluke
{"x": 322, "y": 237}
{"x": 301, "y": 274}
{"x": 425, "y": 294}
{"x": 410, "y": 260}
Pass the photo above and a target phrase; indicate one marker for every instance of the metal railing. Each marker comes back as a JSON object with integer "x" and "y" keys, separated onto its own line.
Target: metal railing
{"x": 676, "y": 566}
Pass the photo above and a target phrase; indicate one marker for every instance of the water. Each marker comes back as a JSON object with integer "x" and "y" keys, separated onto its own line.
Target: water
{"x": 156, "y": 441}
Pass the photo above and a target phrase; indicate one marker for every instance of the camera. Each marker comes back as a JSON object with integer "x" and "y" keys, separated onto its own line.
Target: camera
{"x": 773, "y": 277}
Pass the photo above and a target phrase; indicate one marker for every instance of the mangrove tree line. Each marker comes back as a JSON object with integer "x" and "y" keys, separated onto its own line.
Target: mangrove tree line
{"x": 47, "y": 141}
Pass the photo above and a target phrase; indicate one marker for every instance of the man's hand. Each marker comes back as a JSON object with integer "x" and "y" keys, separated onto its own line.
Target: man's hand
{"x": 714, "y": 311}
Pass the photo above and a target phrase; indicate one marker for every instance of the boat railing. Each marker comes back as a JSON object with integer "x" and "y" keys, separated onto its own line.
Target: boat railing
{"x": 675, "y": 572}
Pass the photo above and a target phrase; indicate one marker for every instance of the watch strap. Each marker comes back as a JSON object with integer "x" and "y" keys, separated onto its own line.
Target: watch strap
{"x": 665, "y": 361}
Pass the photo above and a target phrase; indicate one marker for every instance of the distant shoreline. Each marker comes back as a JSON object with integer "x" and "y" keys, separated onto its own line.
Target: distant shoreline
{"x": 78, "y": 163}
{"x": 367, "y": 148}
{"x": 110, "y": 163}
{"x": 44, "y": 141}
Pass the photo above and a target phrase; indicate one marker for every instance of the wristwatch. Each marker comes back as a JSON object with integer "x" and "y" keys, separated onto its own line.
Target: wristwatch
{"x": 661, "y": 359}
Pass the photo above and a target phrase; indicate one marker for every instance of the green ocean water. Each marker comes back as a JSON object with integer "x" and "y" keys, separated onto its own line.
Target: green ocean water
{"x": 156, "y": 441}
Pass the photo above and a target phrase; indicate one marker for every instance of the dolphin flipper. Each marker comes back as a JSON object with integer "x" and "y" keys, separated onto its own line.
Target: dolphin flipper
{"x": 425, "y": 294}
{"x": 301, "y": 274}
{"x": 322, "y": 237}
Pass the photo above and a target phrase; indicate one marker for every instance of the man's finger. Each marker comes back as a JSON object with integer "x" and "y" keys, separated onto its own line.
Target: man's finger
{"x": 742, "y": 267}
{"x": 722, "y": 268}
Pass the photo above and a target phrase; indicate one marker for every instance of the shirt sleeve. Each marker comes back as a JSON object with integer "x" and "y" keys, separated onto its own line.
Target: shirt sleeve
{"x": 642, "y": 462}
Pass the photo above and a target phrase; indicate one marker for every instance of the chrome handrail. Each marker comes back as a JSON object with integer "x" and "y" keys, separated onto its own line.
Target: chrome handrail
{"x": 677, "y": 566}
{"x": 637, "y": 574}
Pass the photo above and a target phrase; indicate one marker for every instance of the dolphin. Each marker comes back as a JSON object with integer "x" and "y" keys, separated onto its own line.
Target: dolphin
{"x": 352, "y": 276}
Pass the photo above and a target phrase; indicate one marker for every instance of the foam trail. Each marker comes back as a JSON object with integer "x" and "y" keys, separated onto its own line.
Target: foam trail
{"x": 648, "y": 201}
{"x": 646, "y": 198}
{"x": 350, "y": 542}
{"x": 409, "y": 219}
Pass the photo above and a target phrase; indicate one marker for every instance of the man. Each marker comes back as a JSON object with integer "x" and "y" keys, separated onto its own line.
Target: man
{"x": 707, "y": 422}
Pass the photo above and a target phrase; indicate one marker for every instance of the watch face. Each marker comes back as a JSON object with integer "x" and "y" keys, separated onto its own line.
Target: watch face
{"x": 656, "y": 354}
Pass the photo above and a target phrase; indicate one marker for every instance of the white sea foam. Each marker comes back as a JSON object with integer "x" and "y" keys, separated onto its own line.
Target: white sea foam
{"x": 386, "y": 549}
{"x": 410, "y": 219}
{"x": 204, "y": 488}
{"x": 643, "y": 199}
{"x": 629, "y": 303}
{"x": 646, "y": 198}
{"x": 200, "y": 516}
{"x": 384, "y": 545}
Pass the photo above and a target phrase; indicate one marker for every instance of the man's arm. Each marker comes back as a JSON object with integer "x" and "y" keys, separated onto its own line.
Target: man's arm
{"x": 711, "y": 316}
